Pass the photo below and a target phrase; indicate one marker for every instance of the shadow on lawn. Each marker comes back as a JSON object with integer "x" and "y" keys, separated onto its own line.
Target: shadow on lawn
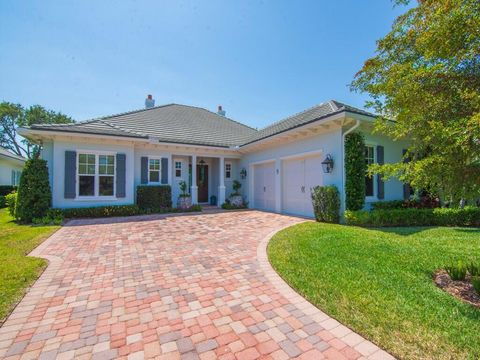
{"x": 404, "y": 231}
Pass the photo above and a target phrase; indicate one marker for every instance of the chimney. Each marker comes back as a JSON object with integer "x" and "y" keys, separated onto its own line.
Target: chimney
{"x": 221, "y": 111}
{"x": 149, "y": 102}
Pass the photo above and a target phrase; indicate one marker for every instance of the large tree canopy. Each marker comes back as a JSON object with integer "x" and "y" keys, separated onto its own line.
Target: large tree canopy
{"x": 426, "y": 77}
{"x": 13, "y": 116}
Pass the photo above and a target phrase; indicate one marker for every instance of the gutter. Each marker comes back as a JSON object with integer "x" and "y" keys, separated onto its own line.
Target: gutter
{"x": 344, "y": 191}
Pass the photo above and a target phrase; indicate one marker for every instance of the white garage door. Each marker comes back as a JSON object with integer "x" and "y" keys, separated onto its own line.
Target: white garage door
{"x": 299, "y": 175}
{"x": 264, "y": 186}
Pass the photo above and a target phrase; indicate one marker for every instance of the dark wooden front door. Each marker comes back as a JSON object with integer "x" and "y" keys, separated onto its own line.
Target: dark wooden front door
{"x": 202, "y": 183}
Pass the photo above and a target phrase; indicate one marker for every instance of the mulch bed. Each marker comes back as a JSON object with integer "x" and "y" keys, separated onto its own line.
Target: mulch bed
{"x": 462, "y": 290}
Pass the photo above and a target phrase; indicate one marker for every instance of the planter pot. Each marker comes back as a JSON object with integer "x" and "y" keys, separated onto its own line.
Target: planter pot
{"x": 184, "y": 202}
{"x": 236, "y": 200}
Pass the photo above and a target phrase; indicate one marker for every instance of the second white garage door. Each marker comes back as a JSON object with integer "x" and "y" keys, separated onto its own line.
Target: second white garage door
{"x": 299, "y": 175}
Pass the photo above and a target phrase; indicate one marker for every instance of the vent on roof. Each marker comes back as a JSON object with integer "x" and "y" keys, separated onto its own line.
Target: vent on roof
{"x": 149, "y": 102}
{"x": 221, "y": 111}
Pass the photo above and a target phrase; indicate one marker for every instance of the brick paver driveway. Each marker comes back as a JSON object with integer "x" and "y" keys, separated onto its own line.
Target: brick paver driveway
{"x": 196, "y": 286}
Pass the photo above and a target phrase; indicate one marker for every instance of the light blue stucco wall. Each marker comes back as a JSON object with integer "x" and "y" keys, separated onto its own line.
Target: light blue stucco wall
{"x": 392, "y": 153}
{"x": 57, "y": 159}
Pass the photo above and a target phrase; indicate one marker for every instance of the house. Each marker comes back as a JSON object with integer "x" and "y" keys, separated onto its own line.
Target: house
{"x": 11, "y": 166}
{"x": 102, "y": 161}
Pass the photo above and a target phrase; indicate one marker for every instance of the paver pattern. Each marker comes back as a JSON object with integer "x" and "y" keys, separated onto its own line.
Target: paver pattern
{"x": 171, "y": 287}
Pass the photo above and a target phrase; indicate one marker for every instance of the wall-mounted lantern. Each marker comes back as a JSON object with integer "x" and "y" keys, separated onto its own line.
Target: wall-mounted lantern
{"x": 327, "y": 164}
{"x": 243, "y": 173}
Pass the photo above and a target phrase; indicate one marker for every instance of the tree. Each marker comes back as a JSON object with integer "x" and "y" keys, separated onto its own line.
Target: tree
{"x": 425, "y": 77}
{"x": 13, "y": 116}
{"x": 34, "y": 195}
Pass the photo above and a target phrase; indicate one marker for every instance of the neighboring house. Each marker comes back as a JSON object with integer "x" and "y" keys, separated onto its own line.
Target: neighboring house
{"x": 11, "y": 166}
{"x": 102, "y": 161}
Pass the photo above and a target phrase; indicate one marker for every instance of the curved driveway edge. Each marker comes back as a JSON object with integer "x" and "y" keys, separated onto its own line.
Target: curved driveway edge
{"x": 171, "y": 287}
{"x": 342, "y": 336}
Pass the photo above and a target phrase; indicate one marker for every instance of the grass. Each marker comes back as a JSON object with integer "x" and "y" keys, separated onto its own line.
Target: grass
{"x": 17, "y": 271}
{"x": 379, "y": 283}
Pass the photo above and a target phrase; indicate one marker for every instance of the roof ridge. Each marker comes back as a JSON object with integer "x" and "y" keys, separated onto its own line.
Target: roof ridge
{"x": 293, "y": 115}
{"x": 132, "y": 111}
{"x": 116, "y": 127}
{"x": 222, "y": 116}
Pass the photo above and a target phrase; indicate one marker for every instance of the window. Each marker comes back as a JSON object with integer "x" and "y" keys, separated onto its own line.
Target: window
{"x": 96, "y": 175}
{"x": 228, "y": 170}
{"x": 369, "y": 159}
{"x": 178, "y": 169}
{"x": 15, "y": 180}
{"x": 154, "y": 170}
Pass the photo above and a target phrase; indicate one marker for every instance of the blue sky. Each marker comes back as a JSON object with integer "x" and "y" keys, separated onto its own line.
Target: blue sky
{"x": 261, "y": 60}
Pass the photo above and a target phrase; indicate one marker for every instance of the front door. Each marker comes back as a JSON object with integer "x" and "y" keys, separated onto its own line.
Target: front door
{"x": 202, "y": 183}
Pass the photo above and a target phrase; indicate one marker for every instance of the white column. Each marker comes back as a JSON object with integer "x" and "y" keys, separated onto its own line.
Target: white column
{"x": 278, "y": 185}
{"x": 221, "y": 187}
{"x": 170, "y": 167}
{"x": 194, "y": 188}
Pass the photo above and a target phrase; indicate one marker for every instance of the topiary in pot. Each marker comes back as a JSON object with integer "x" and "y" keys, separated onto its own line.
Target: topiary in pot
{"x": 184, "y": 201}
{"x": 235, "y": 198}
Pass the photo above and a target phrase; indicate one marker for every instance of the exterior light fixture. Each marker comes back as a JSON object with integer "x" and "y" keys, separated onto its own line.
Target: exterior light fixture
{"x": 243, "y": 173}
{"x": 327, "y": 164}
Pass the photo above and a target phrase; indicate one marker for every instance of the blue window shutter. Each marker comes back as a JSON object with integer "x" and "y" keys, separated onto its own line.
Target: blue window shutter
{"x": 121, "y": 175}
{"x": 144, "y": 170}
{"x": 406, "y": 186}
{"x": 70, "y": 174}
{"x": 164, "y": 171}
{"x": 380, "y": 183}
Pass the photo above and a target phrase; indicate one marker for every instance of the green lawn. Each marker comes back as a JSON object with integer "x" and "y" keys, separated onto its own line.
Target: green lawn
{"x": 379, "y": 283}
{"x": 17, "y": 271}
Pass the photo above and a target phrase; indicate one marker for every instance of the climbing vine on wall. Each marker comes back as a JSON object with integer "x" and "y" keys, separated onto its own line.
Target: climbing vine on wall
{"x": 355, "y": 169}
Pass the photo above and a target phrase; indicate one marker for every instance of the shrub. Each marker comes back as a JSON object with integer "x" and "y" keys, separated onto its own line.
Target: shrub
{"x": 53, "y": 217}
{"x": 236, "y": 187}
{"x": 426, "y": 202}
{"x": 355, "y": 170}
{"x": 473, "y": 269}
{"x": 457, "y": 272}
{"x": 3, "y": 202}
{"x": 326, "y": 203}
{"x": 11, "y": 202}
{"x": 103, "y": 211}
{"x": 7, "y": 189}
{"x": 34, "y": 196}
{"x": 476, "y": 284}
{"x": 119, "y": 210}
{"x": 468, "y": 216}
{"x": 154, "y": 197}
{"x": 227, "y": 205}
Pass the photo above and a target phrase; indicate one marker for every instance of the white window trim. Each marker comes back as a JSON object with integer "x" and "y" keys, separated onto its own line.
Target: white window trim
{"x": 225, "y": 171}
{"x": 159, "y": 158}
{"x": 374, "y": 197}
{"x": 175, "y": 169}
{"x": 97, "y": 175}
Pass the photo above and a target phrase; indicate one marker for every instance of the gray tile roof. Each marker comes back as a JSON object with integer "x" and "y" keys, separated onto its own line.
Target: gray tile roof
{"x": 192, "y": 125}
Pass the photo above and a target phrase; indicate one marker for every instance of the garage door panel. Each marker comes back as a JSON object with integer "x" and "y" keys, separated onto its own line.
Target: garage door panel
{"x": 298, "y": 177}
{"x": 264, "y": 186}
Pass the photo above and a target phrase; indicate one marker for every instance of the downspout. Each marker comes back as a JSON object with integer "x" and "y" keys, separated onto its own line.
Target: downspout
{"x": 344, "y": 192}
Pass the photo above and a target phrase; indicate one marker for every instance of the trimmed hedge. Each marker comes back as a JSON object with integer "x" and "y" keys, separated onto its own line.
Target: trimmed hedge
{"x": 423, "y": 203}
{"x": 154, "y": 197}
{"x": 119, "y": 210}
{"x": 34, "y": 196}
{"x": 7, "y": 189}
{"x": 468, "y": 216}
{"x": 326, "y": 203}
{"x": 355, "y": 170}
